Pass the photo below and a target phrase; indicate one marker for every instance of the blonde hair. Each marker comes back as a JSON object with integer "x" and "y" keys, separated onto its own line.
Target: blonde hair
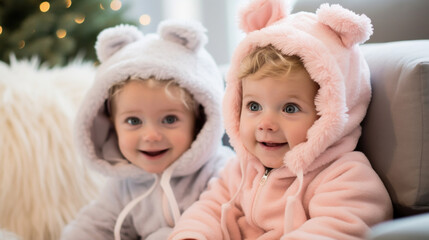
{"x": 269, "y": 62}
{"x": 186, "y": 98}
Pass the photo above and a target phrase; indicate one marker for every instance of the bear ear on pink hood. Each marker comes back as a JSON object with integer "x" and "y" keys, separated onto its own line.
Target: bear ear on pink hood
{"x": 262, "y": 13}
{"x": 350, "y": 27}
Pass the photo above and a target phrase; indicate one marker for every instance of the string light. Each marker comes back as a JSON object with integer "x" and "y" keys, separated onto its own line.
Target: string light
{"x": 44, "y": 6}
{"x": 115, "y": 5}
{"x": 79, "y": 19}
{"x": 61, "y": 33}
{"x": 68, "y": 3}
{"x": 144, "y": 19}
{"x": 21, "y": 44}
{"x": 1, "y": 30}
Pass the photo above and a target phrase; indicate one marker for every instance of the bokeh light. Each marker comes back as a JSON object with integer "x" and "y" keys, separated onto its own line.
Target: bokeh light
{"x": 79, "y": 19}
{"x": 44, "y": 6}
{"x": 115, "y": 5}
{"x": 68, "y": 3}
{"x": 61, "y": 33}
{"x": 144, "y": 19}
{"x": 21, "y": 44}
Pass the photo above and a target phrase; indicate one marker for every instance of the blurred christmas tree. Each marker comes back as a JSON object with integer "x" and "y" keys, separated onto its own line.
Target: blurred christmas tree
{"x": 57, "y": 30}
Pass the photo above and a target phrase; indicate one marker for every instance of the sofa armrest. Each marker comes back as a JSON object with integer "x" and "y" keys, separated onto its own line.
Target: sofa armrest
{"x": 415, "y": 228}
{"x": 395, "y": 132}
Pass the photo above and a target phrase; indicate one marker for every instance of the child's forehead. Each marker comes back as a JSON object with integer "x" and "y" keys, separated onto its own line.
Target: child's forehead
{"x": 296, "y": 73}
{"x": 154, "y": 88}
{"x": 169, "y": 86}
{"x": 141, "y": 96}
{"x": 294, "y": 83}
{"x": 157, "y": 93}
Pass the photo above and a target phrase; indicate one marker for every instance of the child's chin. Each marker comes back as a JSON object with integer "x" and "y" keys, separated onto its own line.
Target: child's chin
{"x": 154, "y": 169}
{"x": 272, "y": 163}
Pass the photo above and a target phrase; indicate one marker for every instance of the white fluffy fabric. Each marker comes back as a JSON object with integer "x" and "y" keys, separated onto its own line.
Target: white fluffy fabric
{"x": 6, "y": 235}
{"x": 43, "y": 182}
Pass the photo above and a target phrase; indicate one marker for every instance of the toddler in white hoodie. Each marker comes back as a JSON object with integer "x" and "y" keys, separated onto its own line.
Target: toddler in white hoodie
{"x": 151, "y": 123}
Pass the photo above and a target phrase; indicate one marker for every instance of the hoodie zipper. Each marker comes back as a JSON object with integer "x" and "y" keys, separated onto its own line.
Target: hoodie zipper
{"x": 264, "y": 178}
{"x": 261, "y": 184}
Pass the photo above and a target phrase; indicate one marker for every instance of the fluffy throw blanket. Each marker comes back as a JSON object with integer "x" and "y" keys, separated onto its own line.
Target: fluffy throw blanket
{"x": 43, "y": 183}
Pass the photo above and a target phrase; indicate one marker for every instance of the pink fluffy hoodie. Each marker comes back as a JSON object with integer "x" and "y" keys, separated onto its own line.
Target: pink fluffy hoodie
{"x": 326, "y": 189}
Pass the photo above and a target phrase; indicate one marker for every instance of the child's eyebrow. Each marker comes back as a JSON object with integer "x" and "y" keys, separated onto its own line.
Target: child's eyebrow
{"x": 126, "y": 112}
{"x": 174, "y": 110}
{"x": 301, "y": 98}
{"x": 248, "y": 95}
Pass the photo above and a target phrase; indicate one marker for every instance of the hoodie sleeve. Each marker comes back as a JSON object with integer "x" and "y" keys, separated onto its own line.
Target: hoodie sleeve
{"x": 344, "y": 201}
{"x": 96, "y": 221}
{"x": 159, "y": 234}
{"x": 203, "y": 219}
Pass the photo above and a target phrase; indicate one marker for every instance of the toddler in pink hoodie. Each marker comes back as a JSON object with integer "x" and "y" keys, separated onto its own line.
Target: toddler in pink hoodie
{"x": 297, "y": 91}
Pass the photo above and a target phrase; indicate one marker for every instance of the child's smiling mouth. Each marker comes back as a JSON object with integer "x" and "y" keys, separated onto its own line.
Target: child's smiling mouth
{"x": 273, "y": 144}
{"x": 154, "y": 153}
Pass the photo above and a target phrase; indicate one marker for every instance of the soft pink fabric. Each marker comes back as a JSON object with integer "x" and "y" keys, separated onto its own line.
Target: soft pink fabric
{"x": 351, "y": 27}
{"x": 338, "y": 201}
{"x": 260, "y": 14}
{"x": 325, "y": 190}
{"x": 341, "y": 72}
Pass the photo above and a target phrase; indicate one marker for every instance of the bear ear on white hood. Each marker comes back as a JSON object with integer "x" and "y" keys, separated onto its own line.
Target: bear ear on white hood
{"x": 111, "y": 40}
{"x": 350, "y": 27}
{"x": 189, "y": 34}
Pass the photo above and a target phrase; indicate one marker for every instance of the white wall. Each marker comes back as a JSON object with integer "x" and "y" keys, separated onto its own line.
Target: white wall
{"x": 218, "y": 16}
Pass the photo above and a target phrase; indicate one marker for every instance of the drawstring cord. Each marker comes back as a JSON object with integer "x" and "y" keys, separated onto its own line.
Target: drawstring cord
{"x": 165, "y": 185}
{"x": 226, "y": 205}
{"x": 129, "y": 206}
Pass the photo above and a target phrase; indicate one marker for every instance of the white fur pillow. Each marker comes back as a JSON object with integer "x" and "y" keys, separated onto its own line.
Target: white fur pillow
{"x": 43, "y": 182}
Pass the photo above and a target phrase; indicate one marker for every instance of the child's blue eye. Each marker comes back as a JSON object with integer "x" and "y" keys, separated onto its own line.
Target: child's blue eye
{"x": 291, "y": 108}
{"x": 170, "y": 119}
{"x": 133, "y": 121}
{"x": 254, "y": 106}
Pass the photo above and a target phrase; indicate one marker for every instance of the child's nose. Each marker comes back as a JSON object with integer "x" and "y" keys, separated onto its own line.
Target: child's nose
{"x": 267, "y": 123}
{"x": 151, "y": 134}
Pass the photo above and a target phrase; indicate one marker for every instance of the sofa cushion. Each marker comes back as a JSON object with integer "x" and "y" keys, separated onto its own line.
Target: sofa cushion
{"x": 395, "y": 133}
{"x": 393, "y": 20}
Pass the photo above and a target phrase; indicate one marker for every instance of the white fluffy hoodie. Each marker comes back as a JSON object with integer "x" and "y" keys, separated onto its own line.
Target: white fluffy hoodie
{"x": 136, "y": 204}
